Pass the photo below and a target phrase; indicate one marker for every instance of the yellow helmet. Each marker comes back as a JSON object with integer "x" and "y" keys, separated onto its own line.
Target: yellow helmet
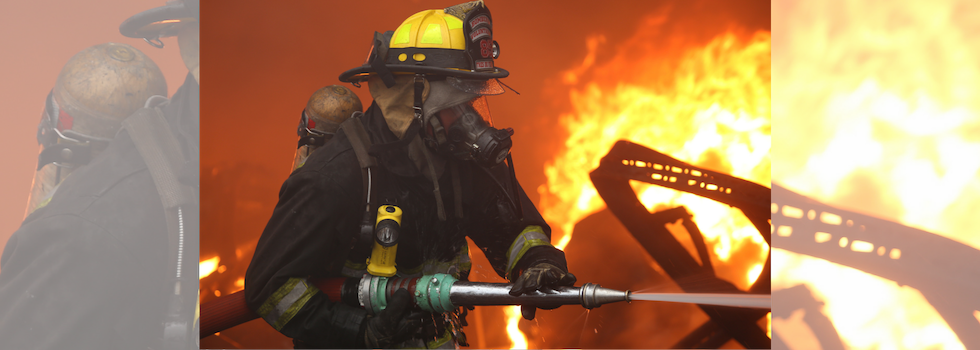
{"x": 456, "y": 41}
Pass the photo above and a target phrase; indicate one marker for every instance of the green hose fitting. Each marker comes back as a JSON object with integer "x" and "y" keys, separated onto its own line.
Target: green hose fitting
{"x": 432, "y": 293}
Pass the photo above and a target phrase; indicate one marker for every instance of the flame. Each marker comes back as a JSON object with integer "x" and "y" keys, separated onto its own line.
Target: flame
{"x": 207, "y": 267}
{"x": 705, "y": 103}
{"x": 517, "y": 338}
{"x": 239, "y": 285}
{"x": 769, "y": 325}
{"x": 711, "y": 109}
{"x": 878, "y": 115}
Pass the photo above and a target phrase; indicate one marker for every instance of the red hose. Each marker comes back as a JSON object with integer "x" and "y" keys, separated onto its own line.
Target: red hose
{"x": 225, "y": 312}
{"x": 230, "y": 310}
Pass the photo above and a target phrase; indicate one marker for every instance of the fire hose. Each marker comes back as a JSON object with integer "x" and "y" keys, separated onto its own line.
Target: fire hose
{"x": 440, "y": 293}
{"x": 436, "y": 293}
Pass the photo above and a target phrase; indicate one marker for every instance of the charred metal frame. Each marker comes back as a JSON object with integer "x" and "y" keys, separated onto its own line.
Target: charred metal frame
{"x": 946, "y": 272}
{"x": 800, "y": 297}
{"x": 629, "y": 161}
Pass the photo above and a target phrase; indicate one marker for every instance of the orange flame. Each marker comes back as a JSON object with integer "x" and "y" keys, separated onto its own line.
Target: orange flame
{"x": 207, "y": 267}
{"x": 707, "y": 104}
{"x": 876, "y": 113}
{"x": 517, "y": 338}
{"x": 711, "y": 109}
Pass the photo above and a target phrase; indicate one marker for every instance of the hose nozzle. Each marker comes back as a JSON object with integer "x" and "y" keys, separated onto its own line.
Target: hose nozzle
{"x": 442, "y": 293}
{"x": 594, "y": 295}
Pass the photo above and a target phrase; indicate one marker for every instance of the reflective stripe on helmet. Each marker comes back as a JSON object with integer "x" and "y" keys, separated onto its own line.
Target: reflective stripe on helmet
{"x": 532, "y": 236}
{"x": 286, "y": 302}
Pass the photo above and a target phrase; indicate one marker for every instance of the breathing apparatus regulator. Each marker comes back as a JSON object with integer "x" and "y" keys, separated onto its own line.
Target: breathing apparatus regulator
{"x": 470, "y": 136}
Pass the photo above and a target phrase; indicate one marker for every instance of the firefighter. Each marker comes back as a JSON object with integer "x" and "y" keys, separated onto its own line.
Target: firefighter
{"x": 100, "y": 265}
{"x": 426, "y": 145}
{"x": 327, "y": 108}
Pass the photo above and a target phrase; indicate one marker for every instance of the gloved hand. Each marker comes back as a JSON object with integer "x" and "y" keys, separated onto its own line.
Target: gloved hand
{"x": 538, "y": 276}
{"x": 394, "y": 324}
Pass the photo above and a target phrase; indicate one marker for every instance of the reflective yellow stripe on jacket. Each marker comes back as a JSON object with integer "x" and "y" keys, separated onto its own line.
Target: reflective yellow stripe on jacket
{"x": 532, "y": 236}
{"x": 286, "y": 302}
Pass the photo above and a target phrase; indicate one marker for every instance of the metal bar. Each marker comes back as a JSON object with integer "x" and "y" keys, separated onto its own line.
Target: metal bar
{"x": 628, "y": 161}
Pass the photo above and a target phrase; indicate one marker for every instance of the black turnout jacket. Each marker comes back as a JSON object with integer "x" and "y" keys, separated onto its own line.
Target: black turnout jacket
{"x": 313, "y": 228}
{"x": 88, "y": 270}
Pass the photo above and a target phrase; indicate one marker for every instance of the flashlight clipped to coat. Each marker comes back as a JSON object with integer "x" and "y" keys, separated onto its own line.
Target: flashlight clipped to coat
{"x": 441, "y": 292}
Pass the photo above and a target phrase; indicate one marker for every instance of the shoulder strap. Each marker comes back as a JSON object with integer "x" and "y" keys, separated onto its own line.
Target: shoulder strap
{"x": 360, "y": 141}
{"x": 161, "y": 152}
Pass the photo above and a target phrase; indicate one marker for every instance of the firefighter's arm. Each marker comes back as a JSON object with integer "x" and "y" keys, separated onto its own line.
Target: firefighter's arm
{"x": 306, "y": 238}
{"x": 513, "y": 243}
{"x": 65, "y": 283}
{"x": 529, "y": 260}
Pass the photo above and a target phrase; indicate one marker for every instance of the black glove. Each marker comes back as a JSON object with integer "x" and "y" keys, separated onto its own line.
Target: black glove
{"x": 394, "y": 324}
{"x": 539, "y": 276}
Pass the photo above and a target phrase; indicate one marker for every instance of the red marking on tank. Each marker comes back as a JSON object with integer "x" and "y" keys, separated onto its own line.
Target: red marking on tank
{"x": 65, "y": 120}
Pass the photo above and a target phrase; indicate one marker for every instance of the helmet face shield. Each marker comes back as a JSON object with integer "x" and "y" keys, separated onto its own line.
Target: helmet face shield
{"x": 468, "y": 112}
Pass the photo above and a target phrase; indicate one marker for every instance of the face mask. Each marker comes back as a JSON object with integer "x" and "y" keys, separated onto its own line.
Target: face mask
{"x": 466, "y": 132}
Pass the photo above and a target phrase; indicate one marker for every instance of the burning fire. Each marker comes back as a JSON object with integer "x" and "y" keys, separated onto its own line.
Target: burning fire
{"x": 707, "y": 104}
{"x": 207, "y": 267}
{"x": 879, "y": 114}
{"x": 712, "y": 110}
{"x": 517, "y": 338}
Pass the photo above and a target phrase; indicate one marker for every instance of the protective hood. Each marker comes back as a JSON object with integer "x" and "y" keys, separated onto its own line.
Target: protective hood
{"x": 396, "y": 102}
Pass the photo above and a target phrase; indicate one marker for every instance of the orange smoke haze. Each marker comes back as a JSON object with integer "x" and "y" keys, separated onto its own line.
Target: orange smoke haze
{"x": 39, "y": 37}
{"x": 263, "y": 62}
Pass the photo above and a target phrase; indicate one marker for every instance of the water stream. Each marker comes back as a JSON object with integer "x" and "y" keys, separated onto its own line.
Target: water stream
{"x": 755, "y": 301}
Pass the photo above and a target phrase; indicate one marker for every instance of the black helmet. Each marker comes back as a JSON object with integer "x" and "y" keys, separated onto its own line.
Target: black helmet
{"x": 161, "y": 22}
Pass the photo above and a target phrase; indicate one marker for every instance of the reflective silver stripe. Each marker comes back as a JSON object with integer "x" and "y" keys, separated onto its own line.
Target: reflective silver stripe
{"x": 531, "y": 236}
